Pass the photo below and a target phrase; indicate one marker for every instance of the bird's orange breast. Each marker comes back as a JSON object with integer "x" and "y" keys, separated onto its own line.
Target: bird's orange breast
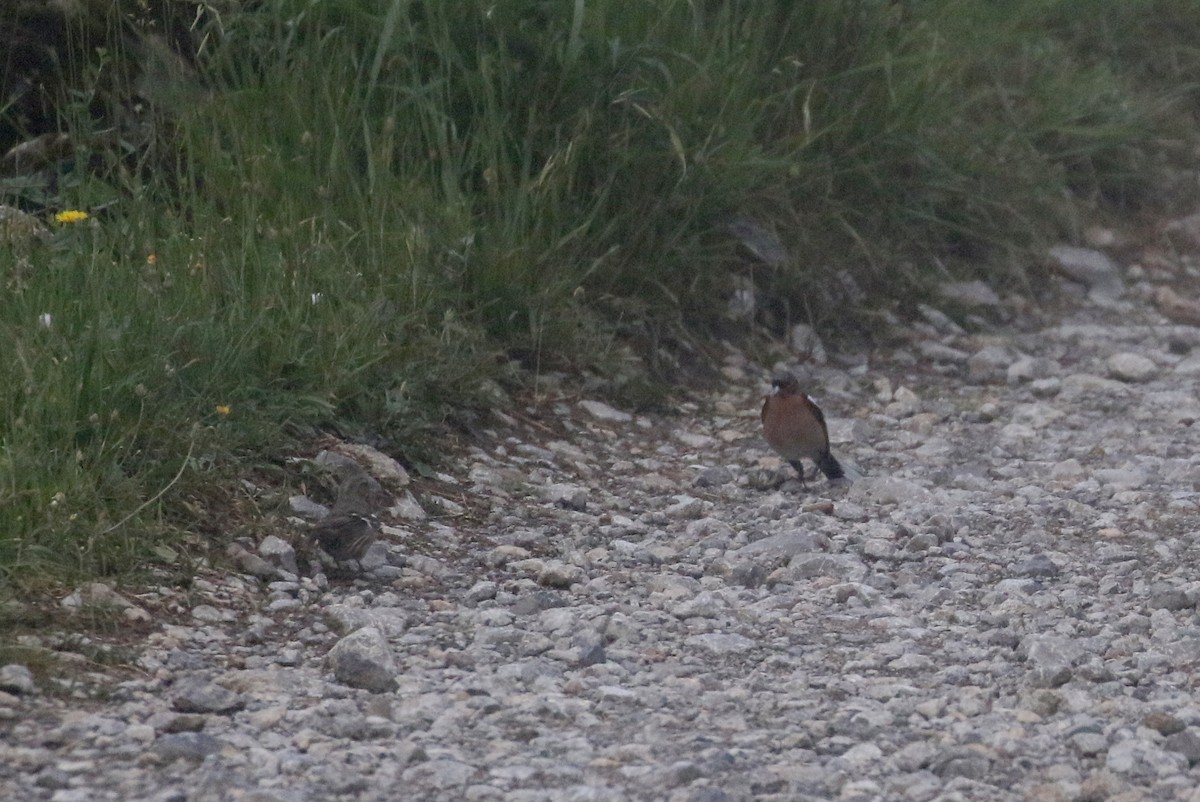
{"x": 794, "y": 427}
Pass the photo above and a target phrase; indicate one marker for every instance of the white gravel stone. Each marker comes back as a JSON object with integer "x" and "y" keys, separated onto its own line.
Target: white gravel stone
{"x": 989, "y": 364}
{"x": 1092, "y": 268}
{"x": 279, "y": 553}
{"x": 17, "y": 679}
{"x": 372, "y": 460}
{"x": 720, "y": 644}
{"x": 970, "y": 293}
{"x": 603, "y": 412}
{"x": 363, "y": 659}
{"x": 556, "y": 574}
{"x": 198, "y": 696}
{"x": 573, "y": 497}
{"x": 1128, "y": 367}
{"x": 939, "y": 352}
{"x": 685, "y": 507}
{"x": 806, "y": 343}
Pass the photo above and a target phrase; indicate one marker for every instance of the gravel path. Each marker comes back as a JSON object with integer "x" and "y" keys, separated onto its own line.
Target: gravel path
{"x": 612, "y": 607}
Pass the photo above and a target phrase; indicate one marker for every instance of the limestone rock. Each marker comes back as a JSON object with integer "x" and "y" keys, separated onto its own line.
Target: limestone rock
{"x": 363, "y": 659}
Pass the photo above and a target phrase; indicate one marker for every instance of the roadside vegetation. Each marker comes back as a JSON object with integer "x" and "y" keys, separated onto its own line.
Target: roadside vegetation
{"x": 235, "y": 225}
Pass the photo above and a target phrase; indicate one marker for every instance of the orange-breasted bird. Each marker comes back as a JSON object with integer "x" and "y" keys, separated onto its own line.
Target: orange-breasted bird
{"x": 795, "y": 427}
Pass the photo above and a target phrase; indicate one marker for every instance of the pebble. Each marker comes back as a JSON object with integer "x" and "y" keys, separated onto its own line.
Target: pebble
{"x": 279, "y": 553}
{"x": 194, "y": 695}
{"x": 989, "y": 364}
{"x": 572, "y": 497}
{"x": 17, "y": 679}
{"x": 970, "y": 293}
{"x": 1090, "y": 267}
{"x": 1128, "y": 367}
{"x": 1002, "y": 608}
{"x": 603, "y": 412}
{"x": 363, "y": 659}
{"x": 714, "y": 476}
{"x": 377, "y": 464}
{"x": 193, "y": 746}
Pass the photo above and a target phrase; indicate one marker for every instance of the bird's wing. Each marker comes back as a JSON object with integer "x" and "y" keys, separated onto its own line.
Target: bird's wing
{"x": 816, "y": 411}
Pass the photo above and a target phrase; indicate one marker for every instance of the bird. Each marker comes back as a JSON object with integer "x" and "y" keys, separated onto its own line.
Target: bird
{"x": 794, "y": 427}
{"x": 351, "y": 525}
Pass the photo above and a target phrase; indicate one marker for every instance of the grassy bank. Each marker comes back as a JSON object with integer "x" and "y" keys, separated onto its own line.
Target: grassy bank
{"x": 345, "y": 215}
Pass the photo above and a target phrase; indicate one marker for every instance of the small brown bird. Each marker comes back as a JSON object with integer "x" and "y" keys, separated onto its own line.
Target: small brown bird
{"x": 795, "y": 427}
{"x": 351, "y": 525}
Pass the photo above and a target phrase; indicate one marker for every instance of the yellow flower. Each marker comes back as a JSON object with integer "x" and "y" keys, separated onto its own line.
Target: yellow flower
{"x": 71, "y": 216}
{"x": 224, "y": 409}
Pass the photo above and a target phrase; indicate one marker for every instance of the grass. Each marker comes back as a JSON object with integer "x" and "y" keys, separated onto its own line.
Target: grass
{"x": 346, "y": 215}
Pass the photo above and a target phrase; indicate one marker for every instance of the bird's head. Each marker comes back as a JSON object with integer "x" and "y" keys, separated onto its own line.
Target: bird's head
{"x": 784, "y": 383}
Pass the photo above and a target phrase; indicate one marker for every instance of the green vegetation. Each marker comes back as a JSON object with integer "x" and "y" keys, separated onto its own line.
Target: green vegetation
{"x": 346, "y": 214}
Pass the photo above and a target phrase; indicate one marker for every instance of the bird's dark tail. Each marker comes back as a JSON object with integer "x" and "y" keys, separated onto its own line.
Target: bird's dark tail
{"x": 830, "y": 466}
